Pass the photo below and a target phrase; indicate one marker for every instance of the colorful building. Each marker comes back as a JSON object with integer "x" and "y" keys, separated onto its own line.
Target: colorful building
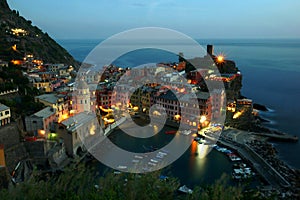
{"x": 5, "y": 115}
{"x": 77, "y": 131}
{"x": 41, "y": 122}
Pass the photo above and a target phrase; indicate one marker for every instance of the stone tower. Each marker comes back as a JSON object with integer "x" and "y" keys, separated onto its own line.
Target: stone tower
{"x": 81, "y": 97}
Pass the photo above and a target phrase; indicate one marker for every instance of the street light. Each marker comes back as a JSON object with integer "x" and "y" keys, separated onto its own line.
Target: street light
{"x": 202, "y": 119}
{"x": 220, "y": 58}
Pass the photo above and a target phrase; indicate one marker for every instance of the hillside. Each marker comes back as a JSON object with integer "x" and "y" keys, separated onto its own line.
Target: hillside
{"x": 19, "y": 37}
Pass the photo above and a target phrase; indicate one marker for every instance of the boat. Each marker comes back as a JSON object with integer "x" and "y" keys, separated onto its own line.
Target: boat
{"x": 150, "y": 149}
{"x": 239, "y": 165}
{"x": 222, "y": 149}
{"x": 185, "y": 189}
{"x": 242, "y": 173}
{"x": 154, "y": 161}
{"x": 163, "y": 178}
{"x": 228, "y": 151}
{"x": 186, "y": 132}
{"x": 135, "y": 161}
{"x": 139, "y": 157}
{"x": 206, "y": 141}
{"x": 151, "y": 163}
{"x": 161, "y": 155}
{"x": 171, "y": 132}
{"x": 233, "y": 157}
{"x": 236, "y": 176}
{"x": 122, "y": 167}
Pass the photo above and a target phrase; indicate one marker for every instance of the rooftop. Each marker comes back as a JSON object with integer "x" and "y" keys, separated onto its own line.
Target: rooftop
{"x": 3, "y": 107}
{"x": 77, "y": 120}
{"x": 81, "y": 84}
{"x": 200, "y": 95}
{"x": 51, "y": 98}
{"x": 169, "y": 95}
{"x": 45, "y": 113}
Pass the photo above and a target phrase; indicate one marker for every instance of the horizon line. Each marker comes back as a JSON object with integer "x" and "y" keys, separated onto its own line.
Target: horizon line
{"x": 242, "y": 38}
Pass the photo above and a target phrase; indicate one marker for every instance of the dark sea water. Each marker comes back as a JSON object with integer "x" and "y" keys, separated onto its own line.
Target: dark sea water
{"x": 271, "y": 76}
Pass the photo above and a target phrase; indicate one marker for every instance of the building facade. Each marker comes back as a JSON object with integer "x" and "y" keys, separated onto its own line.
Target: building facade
{"x": 40, "y": 123}
{"x": 5, "y": 115}
{"x": 77, "y": 131}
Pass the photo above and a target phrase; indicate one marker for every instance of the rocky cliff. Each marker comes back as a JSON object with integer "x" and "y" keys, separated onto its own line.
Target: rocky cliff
{"x": 19, "y": 37}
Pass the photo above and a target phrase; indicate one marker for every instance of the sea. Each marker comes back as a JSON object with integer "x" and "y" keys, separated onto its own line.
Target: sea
{"x": 271, "y": 76}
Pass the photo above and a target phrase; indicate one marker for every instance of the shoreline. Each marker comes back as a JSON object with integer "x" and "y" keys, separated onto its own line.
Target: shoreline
{"x": 262, "y": 156}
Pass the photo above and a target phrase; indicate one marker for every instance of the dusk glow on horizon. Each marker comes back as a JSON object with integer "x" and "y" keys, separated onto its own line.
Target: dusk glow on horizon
{"x": 70, "y": 19}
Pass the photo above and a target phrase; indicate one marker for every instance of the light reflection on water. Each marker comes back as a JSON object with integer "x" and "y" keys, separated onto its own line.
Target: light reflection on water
{"x": 196, "y": 166}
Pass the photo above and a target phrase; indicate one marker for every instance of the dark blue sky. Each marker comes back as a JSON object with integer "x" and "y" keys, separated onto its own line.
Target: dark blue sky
{"x": 82, "y": 19}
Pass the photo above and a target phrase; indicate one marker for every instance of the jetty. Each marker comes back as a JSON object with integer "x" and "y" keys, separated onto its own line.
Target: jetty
{"x": 274, "y": 178}
{"x": 248, "y": 146}
{"x": 279, "y": 137}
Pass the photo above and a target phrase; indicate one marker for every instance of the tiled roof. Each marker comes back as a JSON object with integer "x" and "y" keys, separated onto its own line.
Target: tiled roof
{"x": 51, "y": 98}
{"x": 77, "y": 120}
{"x": 45, "y": 113}
{"x": 3, "y": 107}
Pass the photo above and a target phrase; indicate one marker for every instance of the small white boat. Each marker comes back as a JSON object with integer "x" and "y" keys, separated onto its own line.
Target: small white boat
{"x": 155, "y": 161}
{"x": 139, "y": 157}
{"x": 151, "y": 163}
{"x": 122, "y": 167}
{"x": 185, "y": 189}
{"x": 234, "y": 158}
{"x": 222, "y": 149}
{"x": 159, "y": 156}
{"x": 162, "y": 153}
{"x": 236, "y": 176}
{"x": 146, "y": 169}
{"x": 186, "y": 132}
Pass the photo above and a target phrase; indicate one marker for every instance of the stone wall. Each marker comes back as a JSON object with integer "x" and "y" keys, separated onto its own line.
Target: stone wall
{"x": 9, "y": 135}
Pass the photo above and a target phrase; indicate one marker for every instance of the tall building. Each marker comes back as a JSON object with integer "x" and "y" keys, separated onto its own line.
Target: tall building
{"x": 81, "y": 97}
{"x": 210, "y": 50}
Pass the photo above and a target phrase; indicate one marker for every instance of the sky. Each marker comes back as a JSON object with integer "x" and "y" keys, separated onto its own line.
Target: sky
{"x": 99, "y": 19}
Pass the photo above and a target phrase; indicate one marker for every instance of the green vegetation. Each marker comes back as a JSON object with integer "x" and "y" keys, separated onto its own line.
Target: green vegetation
{"x": 80, "y": 183}
{"x": 23, "y": 103}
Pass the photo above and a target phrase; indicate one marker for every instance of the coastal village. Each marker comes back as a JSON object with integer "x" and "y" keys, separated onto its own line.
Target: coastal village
{"x": 66, "y": 102}
{"x": 49, "y": 137}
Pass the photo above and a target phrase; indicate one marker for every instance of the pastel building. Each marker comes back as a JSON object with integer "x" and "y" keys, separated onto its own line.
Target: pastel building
{"x": 59, "y": 102}
{"x": 77, "y": 131}
{"x": 4, "y": 115}
{"x": 41, "y": 122}
{"x": 81, "y": 98}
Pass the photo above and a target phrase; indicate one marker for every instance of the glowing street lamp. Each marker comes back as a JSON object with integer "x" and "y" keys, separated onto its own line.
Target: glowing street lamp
{"x": 202, "y": 119}
{"x": 177, "y": 117}
{"x": 220, "y": 58}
